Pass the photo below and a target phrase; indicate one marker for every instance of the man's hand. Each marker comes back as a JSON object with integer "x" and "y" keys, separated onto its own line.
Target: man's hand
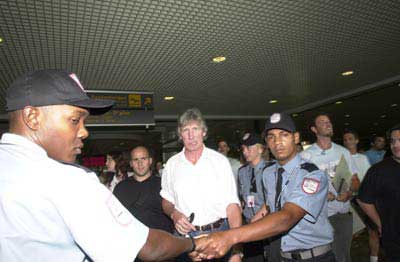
{"x": 345, "y": 196}
{"x": 181, "y": 222}
{"x": 200, "y": 242}
{"x": 331, "y": 196}
{"x": 260, "y": 214}
{"x": 215, "y": 245}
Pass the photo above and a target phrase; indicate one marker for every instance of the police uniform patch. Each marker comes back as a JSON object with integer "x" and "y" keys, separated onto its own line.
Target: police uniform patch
{"x": 310, "y": 186}
{"x": 117, "y": 210}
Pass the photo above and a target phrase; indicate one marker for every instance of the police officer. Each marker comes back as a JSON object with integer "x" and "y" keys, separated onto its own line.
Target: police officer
{"x": 297, "y": 192}
{"x": 250, "y": 189}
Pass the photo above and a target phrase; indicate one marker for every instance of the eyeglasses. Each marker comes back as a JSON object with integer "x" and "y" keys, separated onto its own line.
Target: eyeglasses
{"x": 140, "y": 159}
{"x": 394, "y": 140}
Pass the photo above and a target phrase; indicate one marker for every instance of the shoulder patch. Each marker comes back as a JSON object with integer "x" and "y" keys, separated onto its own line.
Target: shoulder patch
{"x": 310, "y": 167}
{"x": 310, "y": 186}
{"x": 268, "y": 164}
{"x": 87, "y": 170}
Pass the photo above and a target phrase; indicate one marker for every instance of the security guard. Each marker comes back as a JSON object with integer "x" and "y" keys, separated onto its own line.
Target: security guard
{"x": 250, "y": 189}
{"x": 297, "y": 192}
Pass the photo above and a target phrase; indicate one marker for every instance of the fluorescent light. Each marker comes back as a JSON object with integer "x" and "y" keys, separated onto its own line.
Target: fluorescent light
{"x": 273, "y": 101}
{"x": 338, "y": 102}
{"x": 168, "y": 98}
{"x": 219, "y": 59}
{"x": 347, "y": 73}
{"x": 295, "y": 115}
{"x": 346, "y": 115}
{"x": 1, "y": 40}
{"x": 393, "y": 105}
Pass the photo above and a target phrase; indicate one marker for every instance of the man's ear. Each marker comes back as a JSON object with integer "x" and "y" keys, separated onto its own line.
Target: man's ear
{"x": 313, "y": 129}
{"x": 296, "y": 138}
{"x": 31, "y": 117}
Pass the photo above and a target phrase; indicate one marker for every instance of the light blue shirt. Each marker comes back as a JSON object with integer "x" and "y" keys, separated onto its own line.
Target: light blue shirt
{"x": 375, "y": 156}
{"x": 244, "y": 181}
{"x": 304, "y": 185}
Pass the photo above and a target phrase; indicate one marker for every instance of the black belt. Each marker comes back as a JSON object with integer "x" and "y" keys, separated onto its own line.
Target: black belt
{"x": 211, "y": 226}
{"x": 307, "y": 254}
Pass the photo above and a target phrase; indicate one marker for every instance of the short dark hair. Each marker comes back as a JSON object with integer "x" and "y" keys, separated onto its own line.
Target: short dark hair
{"x": 351, "y": 131}
{"x": 394, "y": 128}
{"x": 373, "y": 139}
{"x": 318, "y": 115}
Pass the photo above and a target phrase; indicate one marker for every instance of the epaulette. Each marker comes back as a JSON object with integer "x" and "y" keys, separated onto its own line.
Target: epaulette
{"x": 310, "y": 167}
{"x": 268, "y": 164}
{"x": 87, "y": 170}
{"x": 243, "y": 166}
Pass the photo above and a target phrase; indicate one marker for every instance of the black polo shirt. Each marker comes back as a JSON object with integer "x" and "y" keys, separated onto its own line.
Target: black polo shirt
{"x": 381, "y": 186}
{"x": 143, "y": 200}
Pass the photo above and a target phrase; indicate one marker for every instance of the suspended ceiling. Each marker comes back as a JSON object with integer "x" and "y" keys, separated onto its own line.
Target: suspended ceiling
{"x": 290, "y": 51}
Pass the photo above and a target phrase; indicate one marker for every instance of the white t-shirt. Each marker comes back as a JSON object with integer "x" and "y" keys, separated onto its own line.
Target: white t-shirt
{"x": 235, "y": 165}
{"x": 51, "y": 211}
{"x": 362, "y": 163}
{"x": 205, "y": 188}
{"x": 327, "y": 161}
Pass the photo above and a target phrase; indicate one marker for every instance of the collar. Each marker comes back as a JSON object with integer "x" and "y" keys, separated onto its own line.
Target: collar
{"x": 291, "y": 165}
{"x": 18, "y": 140}
{"x": 260, "y": 165}
{"x": 204, "y": 155}
{"x": 321, "y": 151}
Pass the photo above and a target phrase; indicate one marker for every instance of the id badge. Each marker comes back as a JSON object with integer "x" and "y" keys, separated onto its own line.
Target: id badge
{"x": 250, "y": 201}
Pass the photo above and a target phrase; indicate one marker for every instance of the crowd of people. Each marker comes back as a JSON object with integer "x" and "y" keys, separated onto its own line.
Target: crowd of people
{"x": 279, "y": 203}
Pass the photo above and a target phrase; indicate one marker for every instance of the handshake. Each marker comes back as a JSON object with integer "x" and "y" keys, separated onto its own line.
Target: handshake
{"x": 210, "y": 246}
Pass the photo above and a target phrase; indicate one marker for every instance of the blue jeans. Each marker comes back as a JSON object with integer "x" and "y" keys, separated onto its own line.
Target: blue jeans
{"x": 223, "y": 227}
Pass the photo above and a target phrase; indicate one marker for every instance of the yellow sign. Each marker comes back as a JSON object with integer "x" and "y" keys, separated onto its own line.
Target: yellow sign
{"x": 134, "y": 100}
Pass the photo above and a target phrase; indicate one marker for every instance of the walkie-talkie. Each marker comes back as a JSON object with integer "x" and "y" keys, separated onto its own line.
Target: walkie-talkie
{"x": 191, "y": 218}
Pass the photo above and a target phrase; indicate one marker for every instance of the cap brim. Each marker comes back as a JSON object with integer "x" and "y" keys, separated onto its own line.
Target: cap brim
{"x": 94, "y": 106}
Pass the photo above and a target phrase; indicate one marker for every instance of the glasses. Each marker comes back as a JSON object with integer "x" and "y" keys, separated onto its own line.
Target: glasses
{"x": 394, "y": 140}
{"x": 140, "y": 159}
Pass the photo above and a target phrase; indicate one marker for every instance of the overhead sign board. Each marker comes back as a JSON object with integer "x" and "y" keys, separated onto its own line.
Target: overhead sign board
{"x": 130, "y": 109}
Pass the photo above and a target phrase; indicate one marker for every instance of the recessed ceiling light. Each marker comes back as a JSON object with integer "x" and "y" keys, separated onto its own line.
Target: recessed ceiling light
{"x": 219, "y": 59}
{"x": 295, "y": 115}
{"x": 1, "y": 40}
{"x": 347, "y": 73}
{"x": 169, "y": 98}
{"x": 338, "y": 102}
{"x": 393, "y": 105}
{"x": 383, "y": 116}
{"x": 346, "y": 115}
{"x": 273, "y": 101}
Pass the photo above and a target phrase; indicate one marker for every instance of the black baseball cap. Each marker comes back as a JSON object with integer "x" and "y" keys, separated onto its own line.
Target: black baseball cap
{"x": 280, "y": 121}
{"x": 250, "y": 139}
{"x": 52, "y": 87}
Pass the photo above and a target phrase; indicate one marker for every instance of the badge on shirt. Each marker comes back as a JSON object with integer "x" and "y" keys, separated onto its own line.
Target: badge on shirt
{"x": 310, "y": 186}
{"x": 250, "y": 201}
{"x": 117, "y": 210}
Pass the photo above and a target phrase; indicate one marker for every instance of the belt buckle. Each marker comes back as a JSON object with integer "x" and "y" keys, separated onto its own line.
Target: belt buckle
{"x": 295, "y": 255}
